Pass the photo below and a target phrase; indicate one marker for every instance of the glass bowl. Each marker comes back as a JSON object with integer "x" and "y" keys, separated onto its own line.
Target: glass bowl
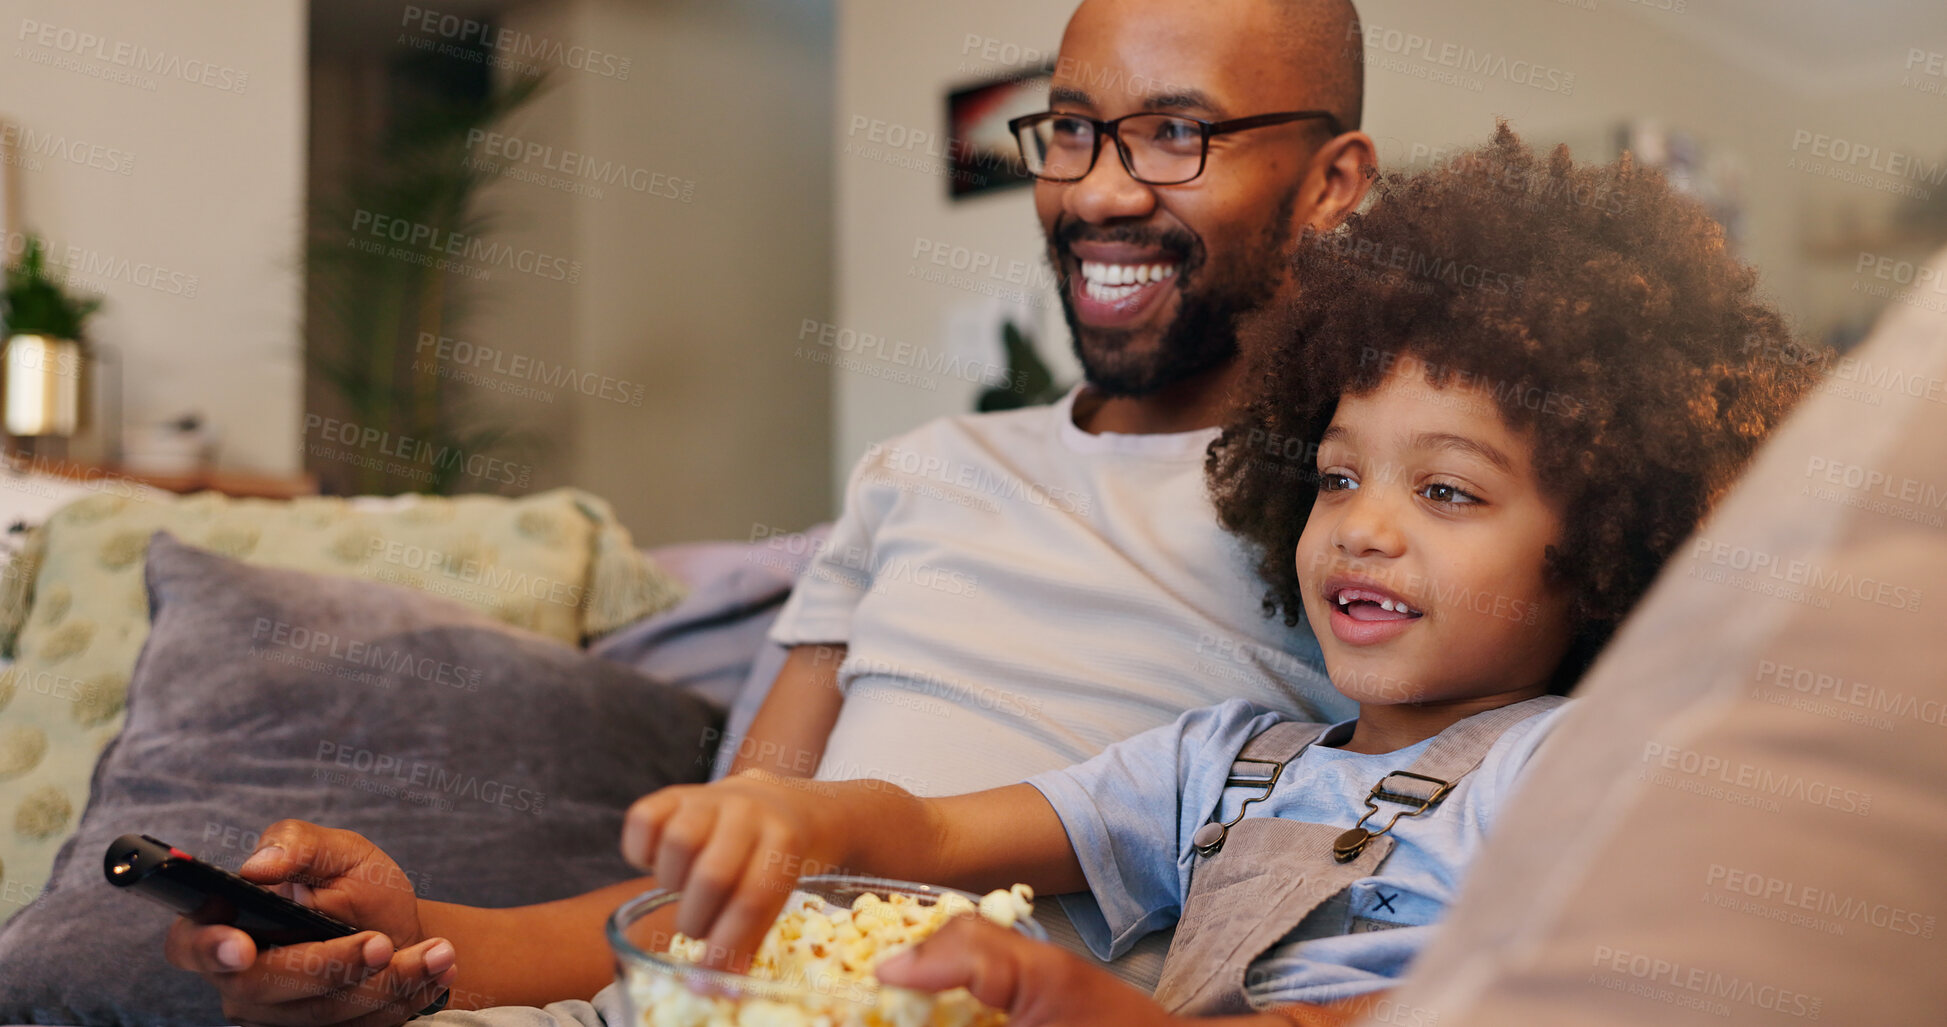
{"x": 659, "y": 990}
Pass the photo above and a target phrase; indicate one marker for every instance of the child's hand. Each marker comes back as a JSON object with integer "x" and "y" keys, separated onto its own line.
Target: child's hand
{"x": 1037, "y": 984}
{"x": 734, "y": 849}
{"x": 1033, "y": 982}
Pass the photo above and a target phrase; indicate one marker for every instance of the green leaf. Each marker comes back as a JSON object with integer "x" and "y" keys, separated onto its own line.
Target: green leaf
{"x": 35, "y": 303}
{"x": 1029, "y": 382}
{"x": 370, "y": 308}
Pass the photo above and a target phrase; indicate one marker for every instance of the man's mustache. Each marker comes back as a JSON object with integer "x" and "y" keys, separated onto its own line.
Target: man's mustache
{"x": 1174, "y": 241}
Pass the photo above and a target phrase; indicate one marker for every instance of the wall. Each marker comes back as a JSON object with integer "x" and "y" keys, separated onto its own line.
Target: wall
{"x": 1704, "y": 68}
{"x": 678, "y": 161}
{"x": 896, "y": 62}
{"x": 188, "y": 120}
{"x": 699, "y": 265}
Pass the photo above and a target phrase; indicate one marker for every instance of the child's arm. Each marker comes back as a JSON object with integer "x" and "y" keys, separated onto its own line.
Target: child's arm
{"x": 787, "y": 737}
{"x": 735, "y": 848}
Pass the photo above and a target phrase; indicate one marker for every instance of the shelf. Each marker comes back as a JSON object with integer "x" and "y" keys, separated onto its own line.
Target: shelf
{"x": 240, "y": 484}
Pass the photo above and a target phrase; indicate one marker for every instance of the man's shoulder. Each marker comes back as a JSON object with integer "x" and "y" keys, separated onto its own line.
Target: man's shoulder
{"x": 1012, "y": 428}
{"x": 1038, "y": 420}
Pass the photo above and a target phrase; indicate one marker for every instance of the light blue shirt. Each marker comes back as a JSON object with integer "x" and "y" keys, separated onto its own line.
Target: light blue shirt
{"x": 1131, "y": 811}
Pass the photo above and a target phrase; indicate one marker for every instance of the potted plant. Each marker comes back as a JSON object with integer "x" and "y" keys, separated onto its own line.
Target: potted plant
{"x": 45, "y": 354}
{"x": 372, "y": 308}
{"x": 1029, "y": 382}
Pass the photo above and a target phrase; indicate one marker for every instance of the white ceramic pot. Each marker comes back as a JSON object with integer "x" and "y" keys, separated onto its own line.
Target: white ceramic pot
{"x": 167, "y": 449}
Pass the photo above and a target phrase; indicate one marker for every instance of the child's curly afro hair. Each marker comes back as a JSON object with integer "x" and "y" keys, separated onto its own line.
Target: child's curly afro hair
{"x": 1600, "y": 309}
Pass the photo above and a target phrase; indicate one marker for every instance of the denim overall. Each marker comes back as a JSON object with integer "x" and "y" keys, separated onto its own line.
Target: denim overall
{"x": 1260, "y": 881}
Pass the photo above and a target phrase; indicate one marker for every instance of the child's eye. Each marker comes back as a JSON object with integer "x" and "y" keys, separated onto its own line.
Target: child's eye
{"x": 1334, "y": 481}
{"x": 1442, "y": 492}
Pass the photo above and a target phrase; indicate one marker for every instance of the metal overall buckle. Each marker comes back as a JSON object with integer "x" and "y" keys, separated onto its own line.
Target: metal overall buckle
{"x": 1210, "y": 837}
{"x": 1354, "y": 841}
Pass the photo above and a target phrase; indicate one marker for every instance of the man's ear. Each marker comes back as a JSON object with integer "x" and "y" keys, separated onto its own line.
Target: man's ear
{"x": 1341, "y": 172}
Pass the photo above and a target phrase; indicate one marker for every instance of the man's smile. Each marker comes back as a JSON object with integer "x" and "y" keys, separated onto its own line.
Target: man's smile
{"x": 1114, "y": 285}
{"x": 1112, "y": 282}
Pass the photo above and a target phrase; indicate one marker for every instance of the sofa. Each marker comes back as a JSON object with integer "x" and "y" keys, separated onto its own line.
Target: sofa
{"x": 507, "y": 672}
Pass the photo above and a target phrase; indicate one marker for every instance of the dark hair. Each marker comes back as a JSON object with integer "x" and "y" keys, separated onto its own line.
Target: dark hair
{"x": 1599, "y": 308}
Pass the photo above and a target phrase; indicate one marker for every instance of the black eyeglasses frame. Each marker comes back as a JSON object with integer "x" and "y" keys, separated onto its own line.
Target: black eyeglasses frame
{"x": 1111, "y": 129}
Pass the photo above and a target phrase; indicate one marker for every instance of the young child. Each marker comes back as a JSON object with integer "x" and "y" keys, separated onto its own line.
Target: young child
{"x": 1505, "y": 396}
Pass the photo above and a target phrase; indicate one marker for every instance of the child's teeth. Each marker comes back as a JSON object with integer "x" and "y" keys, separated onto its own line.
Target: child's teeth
{"x": 1386, "y": 605}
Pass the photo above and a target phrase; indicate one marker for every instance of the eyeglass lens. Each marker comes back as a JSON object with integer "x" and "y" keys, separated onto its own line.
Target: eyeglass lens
{"x": 1162, "y": 149}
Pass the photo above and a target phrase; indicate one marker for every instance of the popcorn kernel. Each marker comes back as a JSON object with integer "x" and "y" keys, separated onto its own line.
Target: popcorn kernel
{"x": 833, "y": 951}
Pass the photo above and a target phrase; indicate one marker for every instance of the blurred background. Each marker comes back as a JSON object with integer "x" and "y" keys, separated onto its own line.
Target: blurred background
{"x": 695, "y": 255}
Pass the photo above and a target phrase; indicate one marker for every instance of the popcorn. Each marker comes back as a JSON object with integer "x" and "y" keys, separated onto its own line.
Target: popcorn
{"x": 830, "y": 952}
{"x": 1005, "y": 907}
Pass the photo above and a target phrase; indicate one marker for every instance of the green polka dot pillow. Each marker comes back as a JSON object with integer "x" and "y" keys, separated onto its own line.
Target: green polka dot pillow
{"x": 74, "y": 610}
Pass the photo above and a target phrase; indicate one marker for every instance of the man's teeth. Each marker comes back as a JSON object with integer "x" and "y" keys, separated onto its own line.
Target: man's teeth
{"x": 1111, "y": 282}
{"x": 1125, "y": 274}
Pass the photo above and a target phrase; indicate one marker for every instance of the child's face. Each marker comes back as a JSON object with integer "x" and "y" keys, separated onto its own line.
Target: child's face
{"x": 1427, "y": 498}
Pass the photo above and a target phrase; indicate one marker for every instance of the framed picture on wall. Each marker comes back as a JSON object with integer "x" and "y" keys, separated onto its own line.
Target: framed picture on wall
{"x": 980, "y": 151}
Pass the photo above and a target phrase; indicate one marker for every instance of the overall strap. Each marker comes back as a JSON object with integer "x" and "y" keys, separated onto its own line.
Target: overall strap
{"x": 1456, "y": 751}
{"x": 1282, "y": 742}
{"x": 1453, "y": 755}
{"x": 1259, "y": 765}
{"x": 1267, "y": 879}
{"x": 1274, "y": 874}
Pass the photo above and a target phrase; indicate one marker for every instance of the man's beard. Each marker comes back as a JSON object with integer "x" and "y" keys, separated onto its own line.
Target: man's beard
{"x": 1203, "y": 335}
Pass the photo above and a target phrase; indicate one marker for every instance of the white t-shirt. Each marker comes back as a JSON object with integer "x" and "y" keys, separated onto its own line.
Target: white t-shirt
{"x": 1017, "y": 594}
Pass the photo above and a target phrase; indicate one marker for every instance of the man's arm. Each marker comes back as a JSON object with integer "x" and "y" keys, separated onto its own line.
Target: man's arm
{"x": 787, "y": 737}
{"x": 531, "y": 955}
{"x": 412, "y": 949}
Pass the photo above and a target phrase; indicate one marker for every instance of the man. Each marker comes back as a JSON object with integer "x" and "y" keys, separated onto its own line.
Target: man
{"x": 1004, "y": 594}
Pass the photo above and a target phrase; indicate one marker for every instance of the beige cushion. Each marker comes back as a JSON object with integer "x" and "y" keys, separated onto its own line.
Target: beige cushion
{"x": 75, "y": 610}
{"x": 1745, "y": 818}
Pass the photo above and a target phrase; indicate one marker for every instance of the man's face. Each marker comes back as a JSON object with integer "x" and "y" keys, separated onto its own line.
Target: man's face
{"x": 1154, "y": 278}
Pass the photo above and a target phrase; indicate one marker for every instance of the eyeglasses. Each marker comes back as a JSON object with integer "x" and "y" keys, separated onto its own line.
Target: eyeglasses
{"x": 1157, "y": 149}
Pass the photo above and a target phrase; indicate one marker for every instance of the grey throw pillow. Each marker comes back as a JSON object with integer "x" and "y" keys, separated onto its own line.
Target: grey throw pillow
{"x": 494, "y": 765}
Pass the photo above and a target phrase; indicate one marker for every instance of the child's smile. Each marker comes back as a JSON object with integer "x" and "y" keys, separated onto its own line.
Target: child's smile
{"x": 1364, "y": 612}
{"x": 1424, "y": 554}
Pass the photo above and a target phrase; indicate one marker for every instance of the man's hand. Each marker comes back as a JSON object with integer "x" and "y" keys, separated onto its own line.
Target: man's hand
{"x": 1035, "y": 983}
{"x": 734, "y": 849}
{"x": 379, "y": 976}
